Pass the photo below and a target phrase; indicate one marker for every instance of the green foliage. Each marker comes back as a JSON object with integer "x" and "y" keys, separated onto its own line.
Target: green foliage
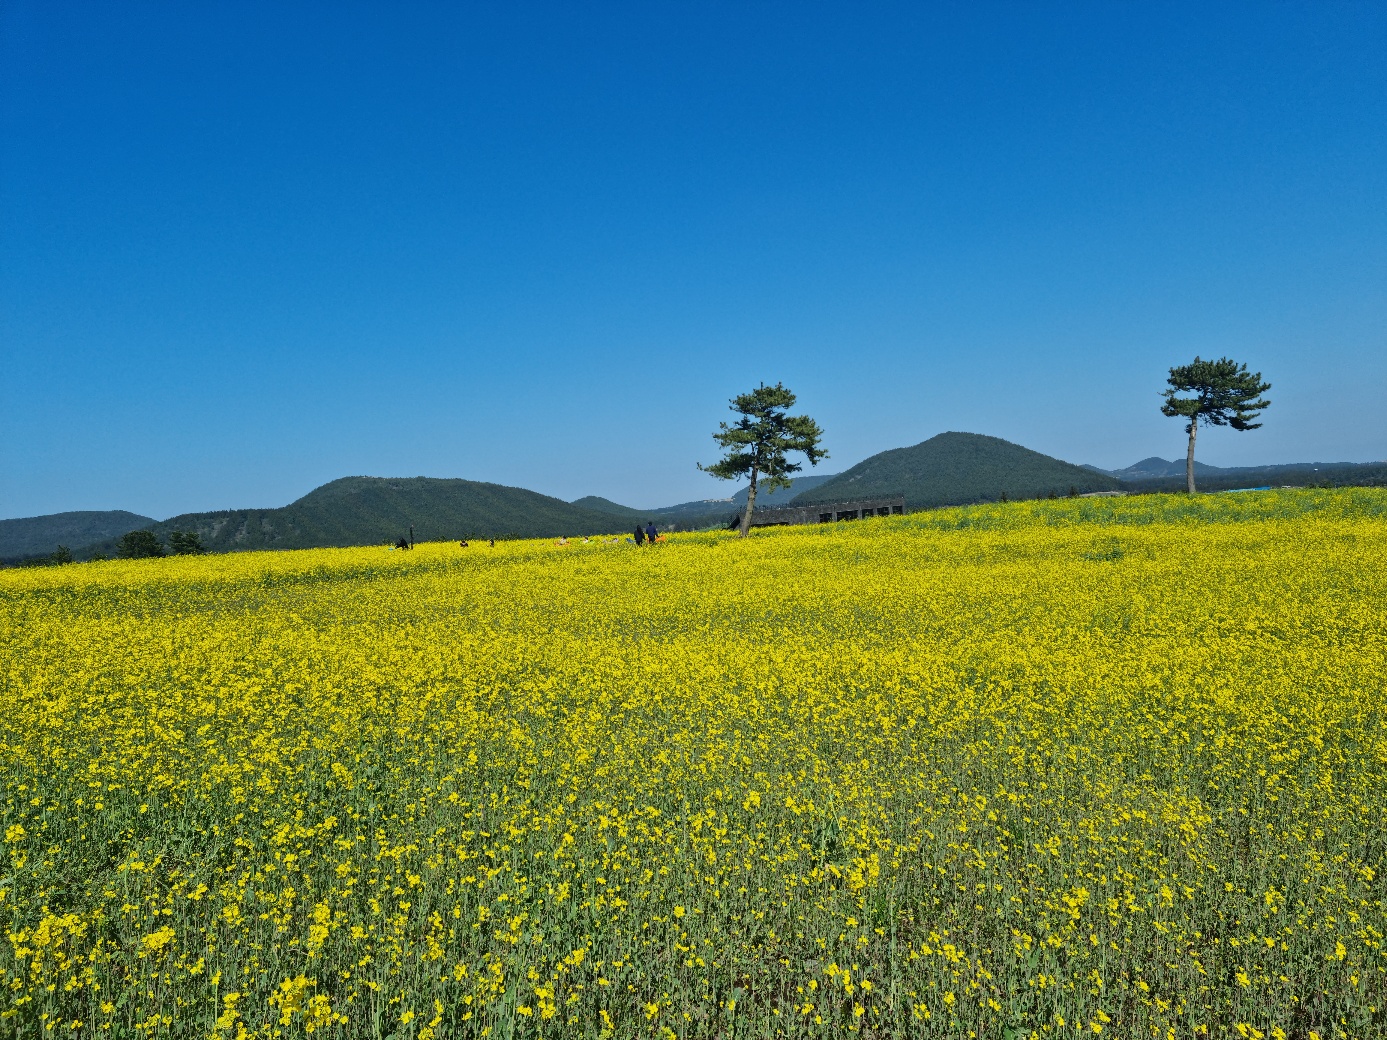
{"x": 709, "y": 513}
{"x": 1301, "y": 474}
{"x": 605, "y": 505}
{"x": 186, "y": 543}
{"x": 139, "y": 545}
{"x": 57, "y": 558}
{"x": 757, "y": 444}
{"x": 1225, "y": 394}
{"x": 34, "y": 535}
{"x": 372, "y": 510}
{"x": 957, "y": 469}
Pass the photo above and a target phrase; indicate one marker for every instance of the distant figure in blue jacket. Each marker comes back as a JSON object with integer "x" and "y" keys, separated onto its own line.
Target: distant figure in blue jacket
{"x": 650, "y": 533}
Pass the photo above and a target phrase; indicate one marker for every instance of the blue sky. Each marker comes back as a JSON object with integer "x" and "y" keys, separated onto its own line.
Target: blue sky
{"x": 247, "y": 249}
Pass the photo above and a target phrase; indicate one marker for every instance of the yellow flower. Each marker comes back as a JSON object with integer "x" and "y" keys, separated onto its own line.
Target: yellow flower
{"x": 157, "y": 940}
{"x": 923, "y": 750}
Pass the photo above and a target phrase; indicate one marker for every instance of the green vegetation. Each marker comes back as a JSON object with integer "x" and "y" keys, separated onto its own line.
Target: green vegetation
{"x": 958, "y": 469}
{"x": 757, "y": 444}
{"x": 57, "y": 558}
{"x": 1105, "y": 767}
{"x": 596, "y": 504}
{"x": 139, "y": 545}
{"x": 1147, "y": 475}
{"x": 1225, "y": 394}
{"x": 35, "y": 535}
{"x": 952, "y": 468}
{"x": 708, "y": 513}
{"x": 367, "y": 510}
{"x": 186, "y": 543}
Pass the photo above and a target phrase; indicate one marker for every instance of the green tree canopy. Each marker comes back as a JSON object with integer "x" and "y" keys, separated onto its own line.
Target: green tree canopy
{"x": 138, "y": 545}
{"x": 1225, "y": 394}
{"x": 186, "y": 543}
{"x": 757, "y": 443}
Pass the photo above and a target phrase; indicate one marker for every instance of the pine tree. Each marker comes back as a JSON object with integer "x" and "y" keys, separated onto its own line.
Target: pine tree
{"x": 138, "y": 545}
{"x": 1226, "y": 394}
{"x": 186, "y": 543}
{"x": 757, "y": 443}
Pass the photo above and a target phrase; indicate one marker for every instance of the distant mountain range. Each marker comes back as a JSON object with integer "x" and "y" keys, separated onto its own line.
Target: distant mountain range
{"x": 1157, "y": 474}
{"x": 950, "y": 469}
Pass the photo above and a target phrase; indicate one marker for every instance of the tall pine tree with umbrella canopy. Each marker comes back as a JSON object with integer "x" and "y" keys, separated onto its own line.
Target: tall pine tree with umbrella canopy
{"x": 1225, "y": 394}
{"x": 757, "y": 443}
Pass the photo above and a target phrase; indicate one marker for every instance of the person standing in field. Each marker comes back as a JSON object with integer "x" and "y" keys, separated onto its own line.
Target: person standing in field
{"x": 640, "y": 534}
{"x": 650, "y": 532}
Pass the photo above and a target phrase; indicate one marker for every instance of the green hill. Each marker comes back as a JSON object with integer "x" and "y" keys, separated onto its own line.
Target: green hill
{"x": 799, "y": 485}
{"x": 36, "y": 535}
{"x": 958, "y": 468}
{"x": 707, "y": 512}
{"x": 372, "y": 510}
{"x": 597, "y": 504}
{"x": 950, "y": 469}
{"x": 1157, "y": 474}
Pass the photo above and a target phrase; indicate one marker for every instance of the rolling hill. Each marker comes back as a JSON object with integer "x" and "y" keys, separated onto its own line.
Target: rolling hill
{"x": 35, "y": 535}
{"x": 958, "y": 468}
{"x": 1157, "y": 474}
{"x": 367, "y": 510}
{"x": 707, "y": 512}
{"x": 1156, "y": 468}
{"x": 949, "y": 469}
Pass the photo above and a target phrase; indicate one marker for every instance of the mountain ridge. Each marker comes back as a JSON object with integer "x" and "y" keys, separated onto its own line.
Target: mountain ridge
{"x": 950, "y": 468}
{"x": 31, "y": 535}
{"x": 1157, "y": 474}
{"x": 374, "y": 510}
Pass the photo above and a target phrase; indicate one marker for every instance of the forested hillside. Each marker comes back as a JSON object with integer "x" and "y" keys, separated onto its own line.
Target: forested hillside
{"x": 35, "y": 535}
{"x": 366, "y": 510}
{"x": 958, "y": 468}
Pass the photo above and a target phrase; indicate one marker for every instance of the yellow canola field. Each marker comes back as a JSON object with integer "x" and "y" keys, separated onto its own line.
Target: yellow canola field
{"x": 1056, "y": 769}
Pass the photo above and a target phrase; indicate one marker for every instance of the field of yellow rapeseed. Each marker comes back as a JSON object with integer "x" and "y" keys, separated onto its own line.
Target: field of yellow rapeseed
{"x": 1054, "y": 769}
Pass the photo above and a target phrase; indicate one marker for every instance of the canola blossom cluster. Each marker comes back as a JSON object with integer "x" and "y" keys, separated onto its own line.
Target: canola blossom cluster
{"x": 1041, "y": 769}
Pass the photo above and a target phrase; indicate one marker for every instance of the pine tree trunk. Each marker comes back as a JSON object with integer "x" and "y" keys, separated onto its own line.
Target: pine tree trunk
{"x": 750, "y": 504}
{"x": 1189, "y": 456}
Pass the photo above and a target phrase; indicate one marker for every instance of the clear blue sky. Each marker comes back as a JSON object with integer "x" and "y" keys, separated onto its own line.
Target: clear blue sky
{"x": 246, "y": 249}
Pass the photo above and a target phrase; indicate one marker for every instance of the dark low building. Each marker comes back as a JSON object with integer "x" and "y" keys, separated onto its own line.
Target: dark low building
{"x": 825, "y": 512}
